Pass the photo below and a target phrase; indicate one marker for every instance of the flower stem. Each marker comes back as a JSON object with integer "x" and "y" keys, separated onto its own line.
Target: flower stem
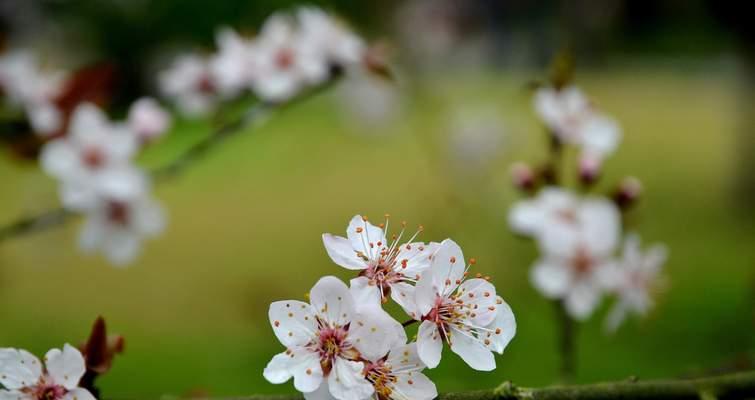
{"x": 566, "y": 342}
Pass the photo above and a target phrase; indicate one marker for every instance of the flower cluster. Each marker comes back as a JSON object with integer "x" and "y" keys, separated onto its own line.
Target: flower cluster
{"x": 578, "y": 235}
{"x": 344, "y": 346}
{"x": 94, "y": 163}
{"x": 33, "y": 89}
{"x": 291, "y": 52}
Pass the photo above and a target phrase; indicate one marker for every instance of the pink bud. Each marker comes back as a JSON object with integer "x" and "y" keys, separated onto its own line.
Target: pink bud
{"x": 523, "y": 176}
{"x": 148, "y": 120}
{"x": 589, "y": 169}
{"x": 628, "y": 192}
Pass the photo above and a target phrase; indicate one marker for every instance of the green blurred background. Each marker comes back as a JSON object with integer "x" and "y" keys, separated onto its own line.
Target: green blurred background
{"x": 245, "y": 222}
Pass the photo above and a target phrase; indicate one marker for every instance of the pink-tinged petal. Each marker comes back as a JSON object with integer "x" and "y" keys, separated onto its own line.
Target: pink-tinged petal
{"x": 332, "y": 300}
{"x": 502, "y": 330}
{"x": 429, "y": 344}
{"x": 448, "y": 267}
{"x": 342, "y": 253}
{"x": 293, "y": 322}
{"x": 374, "y": 333}
{"x": 582, "y": 299}
{"x": 60, "y": 159}
{"x": 471, "y": 350}
{"x": 365, "y": 237}
{"x": 480, "y": 298}
{"x": 403, "y": 294}
{"x": 551, "y": 277}
{"x": 322, "y": 393}
{"x": 347, "y": 381}
{"x": 425, "y": 294}
{"x": 416, "y": 386}
{"x": 18, "y": 368}
{"x": 65, "y": 367}
{"x": 79, "y": 394}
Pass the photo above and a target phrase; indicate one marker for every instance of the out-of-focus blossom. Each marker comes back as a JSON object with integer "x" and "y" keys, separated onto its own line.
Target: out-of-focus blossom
{"x": 398, "y": 375}
{"x": 285, "y": 62}
{"x": 25, "y": 378}
{"x": 476, "y": 138}
{"x": 117, "y": 227}
{"x": 337, "y": 44}
{"x": 634, "y": 278}
{"x": 388, "y": 268}
{"x": 369, "y": 100}
{"x": 465, "y": 313}
{"x": 188, "y": 82}
{"x": 577, "y": 243}
{"x": 93, "y": 160}
{"x": 528, "y": 217}
{"x": 523, "y": 176}
{"x": 326, "y": 342}
{"x": 628, "y": 192}
{"x": 148, "y": 120}
{"x": 233, "y": 67}
{"x": 27, "y": 85}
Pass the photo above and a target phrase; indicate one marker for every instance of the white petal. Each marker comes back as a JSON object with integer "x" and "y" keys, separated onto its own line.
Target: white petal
{"x": 472, "y": 351}
{"x": 503, "y": 328}
{"x": 582, "y": 300}
{"x": 78, "y": 394}
{"x": 600, "y": 220}
{"x": 92, "y": 234}
{"x": 365, "y": 237}
{"x": 87, "y": 121}
{"x": 332, "y": 300}
{"x": 347, "y": 381}
{"x": 322, "y": 393}
{"x": 121, "y": 145}
{"x": 122, "y": 246}
{"x": 403, "y": 294}
{"x": 479, "y": 295}
{"x": 615, "y": 317}
{"x": 405, "y": 357}
{"x": 340, "y": 251}
{"x": 293, "y": 322}
{"x": 415, "y": 258}
{"x": 18, "y": 368}
{"x": 425, "y": 294}
{"x": 78, "y": 195}
{"x": 600, "y": 135}
{"x": 307, "y": 371}
{"x": 416, "y": 386}
{"x": 60, "y": 159}
{"x": 551, "y": 277}
{"x": 526, "y": 217}
{"x": 365, "y": 296}
{"x": 65, "y": 367}
{"x": 278, "y": 370}
{"x": 121, "y": 184}
{"x": 15, "y": 395}
{"x": 148, "y": 217}
{"x": 429, "y": 344}
{"x": 374, "y": 333}
{"x": 448, "y": 267}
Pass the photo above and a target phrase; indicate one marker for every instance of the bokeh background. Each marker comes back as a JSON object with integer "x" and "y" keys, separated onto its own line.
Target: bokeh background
{"x": 245, "y": 222}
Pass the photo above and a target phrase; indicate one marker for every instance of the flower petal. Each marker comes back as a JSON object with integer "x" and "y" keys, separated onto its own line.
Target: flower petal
{"x": 15, "y": 395}
{"x": 551, "y": 277}
{"x": 448, "y": 267}
{"x": 404, "y": 295}
{"x": 471, "y": 350}
{"x": 415, "y": 258}
{"x": 582, "y": 299}
{"x": 60, "y": 159}
{"x": 480, "y": 298}
{"x": 342, "y": 253}
{"x": 18, "y": 368}
{"x": 416, "y": 386}
{"x": 503, "y": 328}
{"x": 347, "y": 381}
{"x": 425, "y": 294}
{"x": 79, "y": 394}
{"x": 374, "y": 333}
{"x": 322, "y": 393}
{"x": 332, "y": 300}
{"x": 365, "y": 237}
{"x": 429, "y": 344}
{"x": 65, "y": 367}
{"x": 293, "y": 322}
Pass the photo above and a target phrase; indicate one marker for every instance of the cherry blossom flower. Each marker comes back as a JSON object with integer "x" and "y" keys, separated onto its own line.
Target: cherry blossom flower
{"x": 25, "y": 378}
{"x": 398, "y": 375}
{"x": 577, "y": 243}
{"x": 233, "y": 67}
{"x": 148, "y": 120}
{"x": 27, "y": 85}
{"x": 327, "y": 341}
{"x": 118, "y": 227}
{"x": 188, "y": 82}
{"x": 93, "y": 160}
{"x": 285, "y": 62}
{"x": 635, "y": 278}
{"x": 465, "y": 313}
{"x": 387, "y": 267}
{"x": 330, "y": 37}
{"x": 529, "y": 217}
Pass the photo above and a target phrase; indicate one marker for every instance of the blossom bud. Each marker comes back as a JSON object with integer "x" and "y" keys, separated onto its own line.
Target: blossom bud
{"x": 628, "y": 192}
{"x": 148, "y": 119}
{"x": 589, "y": 169}
{"x": 523, "y": 176}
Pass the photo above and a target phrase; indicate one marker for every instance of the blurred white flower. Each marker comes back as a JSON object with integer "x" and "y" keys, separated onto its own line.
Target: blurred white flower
{"x": 387, "y": 268}
{"x": 476, "y": 138}
{"x": 93, "y": 160}
{"x": 577, "y": 243}
{"x": 398, "y": 375}
{"x": 285, "y": 62}
{"x": 330, "y": 37}
{"x": 27, "y": 85}
{"x": 326, "y": 342}
{"x": 528, "y": 217}
{"x": 369, "y": 100}
{"x": 25, "y": 378}
{"x": 570, "y": 116}
{"x": 117, "y": 227}
{"x": 148, "y": 120}
{"x": 466, "y": 314}
{"x": 188, "y": 82}
{"x": 634, "y": 278}
{"x": 233, "y": 67}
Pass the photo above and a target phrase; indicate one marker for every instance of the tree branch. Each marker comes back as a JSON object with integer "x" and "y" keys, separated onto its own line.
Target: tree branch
{"x": 731, "y": 386}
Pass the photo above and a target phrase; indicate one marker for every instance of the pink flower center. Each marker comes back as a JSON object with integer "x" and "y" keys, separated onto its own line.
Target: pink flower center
{"x": 48, "y": 391}
{"x": 582, "y": 263}
{"x": 118, "y": 212}
{"x": 382, "y": 379}
{"x": 93, "y": 157}
{"x": 284, "y": 58}
{"x": 332, "y": 343}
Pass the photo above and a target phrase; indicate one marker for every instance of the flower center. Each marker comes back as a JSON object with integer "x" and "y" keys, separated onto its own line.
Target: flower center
{"x": 582, "y": 262}
{"x": 47, "y": 391}
{"x": 381, "y": 378}
{"x": 284, "y": 58}
{"x": 117, "y": 212}
{"x": 332, "y": 343}
{"x": 93, "y": 157}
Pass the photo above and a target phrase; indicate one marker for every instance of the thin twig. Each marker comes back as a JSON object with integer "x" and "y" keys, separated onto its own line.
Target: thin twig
{"x": 255, "y": 115}
{"x": 566, "y": 342}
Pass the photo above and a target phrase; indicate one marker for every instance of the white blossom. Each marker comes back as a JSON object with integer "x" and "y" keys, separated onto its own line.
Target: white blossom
{"x": 327, "y": 341}
{"x": 234, "y": 66}
{"x": 577, "y": 242}
{"x": 388, "y": 268}
{"x": 465, "y": 313}
{"x": 25, "y": 378}
{"x": 398, "y": 375}
{"x": 93, "y": 160}
{"x": 634, "y": 279}
{"x": 330, "y": 37}
{"x": 188, "y": 82}
{"x": 148, "y": 120}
